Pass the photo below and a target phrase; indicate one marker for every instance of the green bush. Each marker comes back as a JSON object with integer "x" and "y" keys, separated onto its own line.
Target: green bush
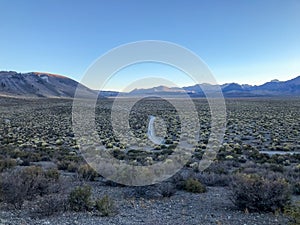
{"x": 257, "y": 193}
{"x": 194, "y": 186}
{"x": 105, "y": 206}
{"x": 80, "y": 199}
{"x": 293, "y": 212}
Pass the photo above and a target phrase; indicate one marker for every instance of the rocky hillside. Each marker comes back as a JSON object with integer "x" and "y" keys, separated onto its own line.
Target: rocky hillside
{"x": 35, "y": 84}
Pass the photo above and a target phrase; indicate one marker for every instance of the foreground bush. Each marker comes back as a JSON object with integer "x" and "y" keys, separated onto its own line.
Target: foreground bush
{"x": 80, "y": 199}
{"x": 25, "y": 184}
{"x": 105, "y": 206}
{"x": 256, "y": 193}
{"x": 49, "y": 205}
{"x": 194, "y": 186}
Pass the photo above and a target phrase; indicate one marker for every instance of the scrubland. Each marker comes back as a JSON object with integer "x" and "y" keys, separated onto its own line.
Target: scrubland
{"x": 45, "y": 179}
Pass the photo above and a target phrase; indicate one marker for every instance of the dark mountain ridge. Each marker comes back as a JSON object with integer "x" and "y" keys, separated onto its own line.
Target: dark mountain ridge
{"x": 274, "y": 88}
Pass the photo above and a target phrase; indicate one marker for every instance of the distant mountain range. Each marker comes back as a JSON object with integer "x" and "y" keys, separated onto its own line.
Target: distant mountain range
{"x": 37, "y": 84}
{"x": 273, "y": 88}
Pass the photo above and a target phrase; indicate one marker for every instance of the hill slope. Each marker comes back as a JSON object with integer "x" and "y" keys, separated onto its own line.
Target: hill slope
{"x": 35, "y": 84}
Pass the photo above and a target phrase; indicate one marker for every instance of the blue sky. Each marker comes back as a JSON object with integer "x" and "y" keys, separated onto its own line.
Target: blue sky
{"x": 241, "y": 41}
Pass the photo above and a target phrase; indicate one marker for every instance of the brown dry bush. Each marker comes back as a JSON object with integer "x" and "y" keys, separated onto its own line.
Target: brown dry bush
{"x": 49, "y": 205}
{"x": 257, "y": 193}
{"x": 23, "y": 184}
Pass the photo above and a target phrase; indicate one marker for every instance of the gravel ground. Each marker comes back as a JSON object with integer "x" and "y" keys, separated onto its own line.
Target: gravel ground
{"x": 213, "y": 207}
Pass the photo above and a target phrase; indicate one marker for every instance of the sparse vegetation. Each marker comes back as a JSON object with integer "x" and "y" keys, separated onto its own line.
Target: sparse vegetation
{"x": 35, "y": 132}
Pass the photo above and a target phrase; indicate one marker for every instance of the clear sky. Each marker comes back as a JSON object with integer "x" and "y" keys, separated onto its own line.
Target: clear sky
{"x": 244, "y": 41}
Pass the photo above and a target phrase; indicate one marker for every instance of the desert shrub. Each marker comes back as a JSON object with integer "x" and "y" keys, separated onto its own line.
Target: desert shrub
{"x": 251, "y": 170}
{"x": 213, "y": 179}
{"x": 52, "y": 174}
{"x": 67, "y": 165}
{"x": 7, "y": 164}
{"x": 276, "y": 168}
{"x": 45, "y": 158}
{"x": 292, "y": 174}
{"x": 12, "y": 190}
{"x": 33, "y": 157}
{"x": 293, "y": 212}
{"x": 25, "y": 184}
{"x": 49, "y": 205}
{"x": 35, "y": 180}
{"x": 257, "y": 193}
{"x": 80, "y": 199}
{"x": 119, "y": 154}
{"x": 180, "y": 178}
{"x": 263, "y": 172}
{"x": 296, "y": 188}
{"x": 105, "y": 206}
{"x": 72, "y": 167}
{"x": 194, "y": 186}
{"x": 62, "y": 165}
{"x": 218, "y": 168}
{"x": 167, "y": 189}
{"x": 87, "y": 173}
{"x": 258, "y": 157}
